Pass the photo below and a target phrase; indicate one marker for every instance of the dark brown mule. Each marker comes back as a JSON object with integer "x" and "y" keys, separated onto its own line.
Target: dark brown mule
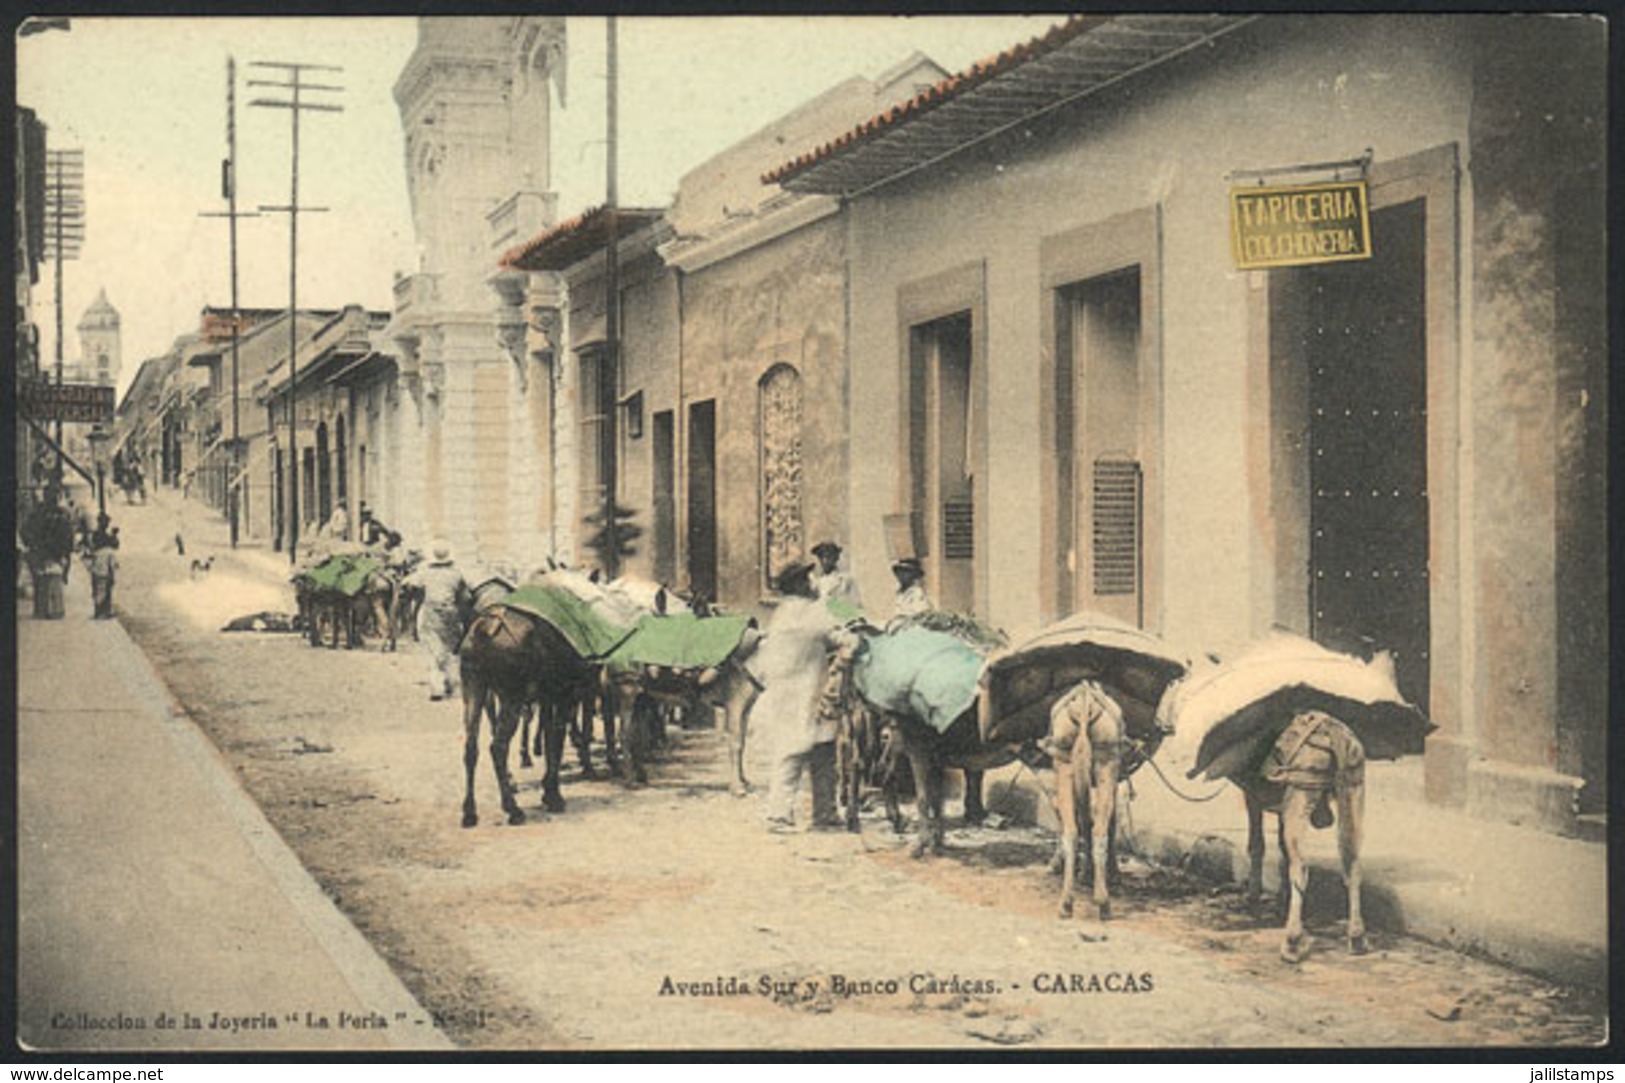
{"x": 510, "y": 660}
{"x": 930, "y": 754}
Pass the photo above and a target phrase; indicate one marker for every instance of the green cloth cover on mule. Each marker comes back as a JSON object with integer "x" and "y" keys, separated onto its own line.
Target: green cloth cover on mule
{"x": 842, "y": 610}
{"x": 680, "y": 641}
{"x": 345, "y": 573}
{"x": 585, "y": 627}
{"x": 921, "y": 673}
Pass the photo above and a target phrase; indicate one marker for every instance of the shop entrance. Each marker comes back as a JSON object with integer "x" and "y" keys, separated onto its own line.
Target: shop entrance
{"x": 1361, "y": 332}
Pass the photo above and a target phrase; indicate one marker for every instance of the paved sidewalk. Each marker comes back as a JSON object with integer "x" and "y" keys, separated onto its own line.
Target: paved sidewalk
{"x": 152, "y": 890}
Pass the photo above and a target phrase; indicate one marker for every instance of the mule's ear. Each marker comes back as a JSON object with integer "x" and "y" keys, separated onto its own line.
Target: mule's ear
{"x": 1383, "y": 662}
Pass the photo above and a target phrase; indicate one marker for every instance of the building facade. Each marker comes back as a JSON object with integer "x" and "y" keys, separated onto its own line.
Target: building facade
{"x": 729, "y": 396}
{"x": 28, "y": 235}
{"x": 474, "y": 100}
{"x": 1063, "y": 381}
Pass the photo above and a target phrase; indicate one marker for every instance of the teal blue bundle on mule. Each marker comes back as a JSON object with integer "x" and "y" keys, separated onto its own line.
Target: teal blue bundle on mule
{"x": 921, "y": 673}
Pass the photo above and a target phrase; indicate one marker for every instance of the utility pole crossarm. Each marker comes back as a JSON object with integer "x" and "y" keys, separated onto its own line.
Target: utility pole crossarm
{"x": 319, "y": 107}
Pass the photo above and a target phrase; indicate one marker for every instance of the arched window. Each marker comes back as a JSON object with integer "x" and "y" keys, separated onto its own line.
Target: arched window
{"x": 783, "y": 532}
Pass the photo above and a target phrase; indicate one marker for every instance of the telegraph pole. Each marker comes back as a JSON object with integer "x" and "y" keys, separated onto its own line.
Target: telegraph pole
{"x": 65, "y": 206}
{"x": 228, "y": 182}
{"x": 296, "y": 86}
{"x": 610, "y": 380}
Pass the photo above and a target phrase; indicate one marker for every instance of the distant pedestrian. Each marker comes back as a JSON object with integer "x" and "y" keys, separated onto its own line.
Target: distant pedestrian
{"x": 337, "y": 526}
{"x": 103, "y": 572}
{"x": 48, "y": 536}
{"x": 442, "y": 617}
{"x": 831, "y": 580}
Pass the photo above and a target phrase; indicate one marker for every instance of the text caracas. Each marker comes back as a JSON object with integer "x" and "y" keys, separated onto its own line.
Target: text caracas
{"x": 1109, "y": 982}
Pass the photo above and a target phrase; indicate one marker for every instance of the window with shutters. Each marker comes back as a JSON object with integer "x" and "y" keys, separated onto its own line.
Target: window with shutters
{"x": 1116, "y": 518}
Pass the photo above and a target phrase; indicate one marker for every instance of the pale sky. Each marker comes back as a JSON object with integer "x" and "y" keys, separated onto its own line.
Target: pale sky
{"x": 145, "y": 99}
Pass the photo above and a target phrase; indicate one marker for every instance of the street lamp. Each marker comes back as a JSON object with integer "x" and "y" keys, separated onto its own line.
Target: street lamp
{"x": 100, "y": 441}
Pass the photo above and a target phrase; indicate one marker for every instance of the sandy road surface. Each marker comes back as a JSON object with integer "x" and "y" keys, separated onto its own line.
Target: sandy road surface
{"x": 618, "y": 924}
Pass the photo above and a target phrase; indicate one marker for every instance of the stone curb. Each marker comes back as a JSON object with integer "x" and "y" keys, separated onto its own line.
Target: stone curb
{"x": 1425, "y": 910}
{"x": 363, "y": 970}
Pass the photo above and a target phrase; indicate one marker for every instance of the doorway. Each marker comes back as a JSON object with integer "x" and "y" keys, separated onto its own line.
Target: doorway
{"x": 664, "y": 445}
{"x": 1361, "y": 334}
{"x": 702, "y": 498}
{"x": 942, "y": 471}
{"x": 1100, "y": 458}
{"x": 324, "y": 477}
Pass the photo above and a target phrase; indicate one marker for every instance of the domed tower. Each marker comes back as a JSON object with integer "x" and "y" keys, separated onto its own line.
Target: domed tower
{"x": 99, "y": 342}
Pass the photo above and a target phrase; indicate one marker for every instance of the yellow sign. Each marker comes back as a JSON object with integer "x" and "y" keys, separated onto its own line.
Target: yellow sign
{"x": 1300, "y": 224}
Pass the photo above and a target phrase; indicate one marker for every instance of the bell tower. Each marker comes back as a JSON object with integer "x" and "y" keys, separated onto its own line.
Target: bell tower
{"x": 99, "y": 357}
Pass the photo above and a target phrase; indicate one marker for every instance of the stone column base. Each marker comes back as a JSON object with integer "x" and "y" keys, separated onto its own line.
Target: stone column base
{"x": 1445, "y": 759}
{"x": 1532, "y": 796}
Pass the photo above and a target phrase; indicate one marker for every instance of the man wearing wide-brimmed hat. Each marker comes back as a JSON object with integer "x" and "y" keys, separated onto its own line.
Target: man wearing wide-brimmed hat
{"x": 911, "y": 600}
{"x": 831, "y": 580}
{"x": 442, "y": 617}
{"x": 792, "y": 663}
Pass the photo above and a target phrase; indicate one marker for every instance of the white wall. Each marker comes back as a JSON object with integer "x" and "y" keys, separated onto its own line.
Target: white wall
{"x": 1297, "y": 90}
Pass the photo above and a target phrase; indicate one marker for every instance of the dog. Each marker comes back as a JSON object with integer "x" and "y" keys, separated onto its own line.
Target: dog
{"x": 201, "y": 566}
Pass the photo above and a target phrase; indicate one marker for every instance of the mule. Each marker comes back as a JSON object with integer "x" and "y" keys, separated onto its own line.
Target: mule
{"x": 930, "y": 755}
{"x": 510, "y": 660}
{"x": 1086, "y": 741}
{"x": 1316, "y": 766}
{"x": 866, "y": 759}
{"x": 633, "y": 695}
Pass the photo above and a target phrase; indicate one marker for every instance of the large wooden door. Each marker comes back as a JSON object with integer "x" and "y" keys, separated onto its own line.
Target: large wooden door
{"x": 1367, "y": 354}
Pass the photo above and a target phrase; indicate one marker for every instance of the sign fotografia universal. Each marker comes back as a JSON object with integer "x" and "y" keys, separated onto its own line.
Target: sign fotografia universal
{"x": 68, "y": 402}
{"x": 1295, "y": 225}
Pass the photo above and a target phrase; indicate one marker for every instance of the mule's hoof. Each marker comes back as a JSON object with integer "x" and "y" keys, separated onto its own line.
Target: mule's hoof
{"x": 1105, "y": 910}
{"x": 470, "y": 819}
{"x": 552, "y": 802}
{"x": 975, "y": 817}
{"x": 516, "y": 816}
{"x": 1064, "y": 911}
{"x": 1359, "y": 945}
{"x": 1294, "y": 949}
{"x": 920, "y": 848}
